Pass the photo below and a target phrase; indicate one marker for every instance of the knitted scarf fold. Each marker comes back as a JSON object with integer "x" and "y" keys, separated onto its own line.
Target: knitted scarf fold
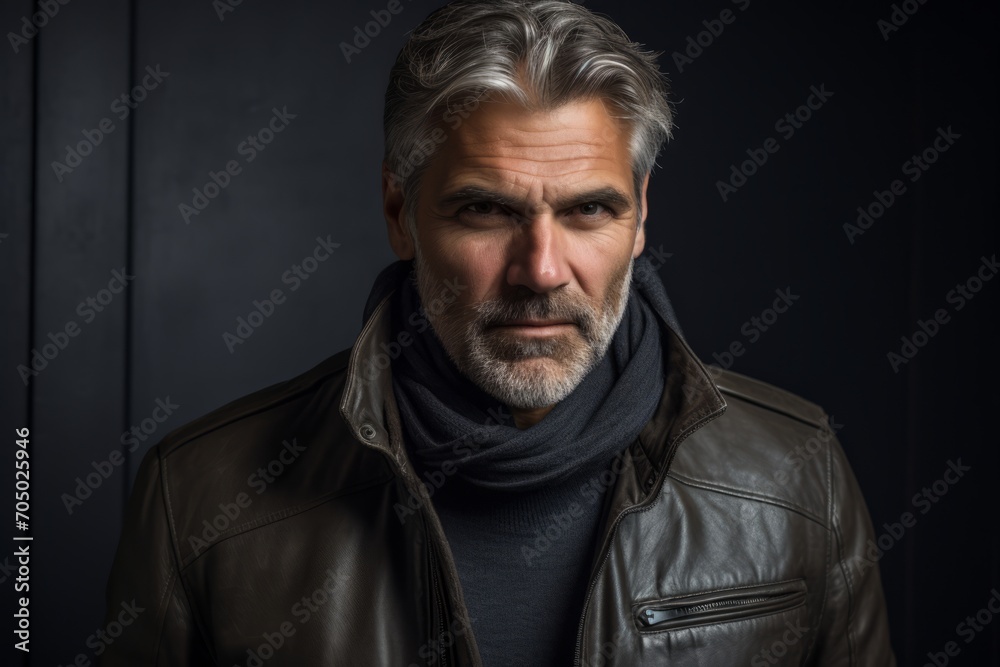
{"x": 449, "y": 421}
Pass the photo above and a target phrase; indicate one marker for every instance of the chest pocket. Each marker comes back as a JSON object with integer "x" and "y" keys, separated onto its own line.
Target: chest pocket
{"x": 758, "y": 625}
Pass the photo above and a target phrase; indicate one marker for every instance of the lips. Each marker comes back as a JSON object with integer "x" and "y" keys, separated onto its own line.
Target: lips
{"x": 533, "y": 323}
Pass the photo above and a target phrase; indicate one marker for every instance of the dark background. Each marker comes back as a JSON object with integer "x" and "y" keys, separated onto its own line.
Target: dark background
{"x": 161, "y": 338}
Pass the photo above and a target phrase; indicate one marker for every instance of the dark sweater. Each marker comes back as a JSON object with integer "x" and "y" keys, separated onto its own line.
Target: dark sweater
{"x": 524, "y": 562}
{"x": 522, "y": 512}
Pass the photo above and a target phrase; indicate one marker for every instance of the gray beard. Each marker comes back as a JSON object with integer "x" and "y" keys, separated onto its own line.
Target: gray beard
{"x": 523, "y": 372}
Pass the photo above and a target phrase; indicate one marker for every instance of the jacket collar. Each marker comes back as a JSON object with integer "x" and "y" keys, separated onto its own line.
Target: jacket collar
{"x": 690, "y": 398}
{"x": 368, "y": 404}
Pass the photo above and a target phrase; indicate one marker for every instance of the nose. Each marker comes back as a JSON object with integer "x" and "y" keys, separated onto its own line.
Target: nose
{"x": 538, "y": 255}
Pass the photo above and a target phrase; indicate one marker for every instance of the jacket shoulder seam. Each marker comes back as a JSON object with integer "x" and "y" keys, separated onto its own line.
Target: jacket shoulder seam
{"x": 746, "y": 495}
{"x": 280, "y": 515}
{"x": 846, "y": 574}
{"x": 844, "y": 570}
{"x": 175, "y": 555}
{"x": 831, "y": 537}
{"x": 770, "y": 397}
{"x": 257, "y": 401}
{"x": 161, "y": 609}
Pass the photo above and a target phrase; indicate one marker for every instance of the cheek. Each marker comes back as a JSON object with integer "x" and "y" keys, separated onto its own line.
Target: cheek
{"x": 598, "y": 268}
{"x": 476, "y": 261}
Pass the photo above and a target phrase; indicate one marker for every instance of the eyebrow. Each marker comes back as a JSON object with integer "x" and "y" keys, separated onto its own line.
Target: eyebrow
{"x": 612, "y": 197}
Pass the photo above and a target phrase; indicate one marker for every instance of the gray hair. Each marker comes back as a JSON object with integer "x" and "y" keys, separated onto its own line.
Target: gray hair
{"x": 539, "y": 53}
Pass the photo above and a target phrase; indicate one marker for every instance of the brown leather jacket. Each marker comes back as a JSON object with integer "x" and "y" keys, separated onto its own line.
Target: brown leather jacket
{"x": 268, "y": 532}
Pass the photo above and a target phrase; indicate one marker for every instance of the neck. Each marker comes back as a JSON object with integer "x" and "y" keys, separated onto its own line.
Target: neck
{"x": 526, "y": 417}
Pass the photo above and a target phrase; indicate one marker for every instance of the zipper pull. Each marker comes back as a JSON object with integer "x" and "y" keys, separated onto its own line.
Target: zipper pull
{"x": 654, "y": 616}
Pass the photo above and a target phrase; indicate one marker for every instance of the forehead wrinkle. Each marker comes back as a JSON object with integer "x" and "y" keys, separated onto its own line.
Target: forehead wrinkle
{"x": 597, "y": 153}
{"x": 571, "y": 166}
{"x": 538, "y": 156}
{"x": 539, "y": 166}
{"x": 515, "y": 134}
{"x": 515, "y": 139}
{"x": 512, "y": 176}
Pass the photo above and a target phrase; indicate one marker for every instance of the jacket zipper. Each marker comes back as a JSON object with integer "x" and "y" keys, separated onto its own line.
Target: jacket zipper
{"x": 614, "y": 529}
{"x": 439, "y": 603}
{"x": 593, "y": 584}
{"x": 651, "y": 617}
{"x": 686, "y": 612}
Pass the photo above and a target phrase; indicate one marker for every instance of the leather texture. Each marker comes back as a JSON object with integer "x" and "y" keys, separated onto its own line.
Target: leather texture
{"x": 268, "y": 532}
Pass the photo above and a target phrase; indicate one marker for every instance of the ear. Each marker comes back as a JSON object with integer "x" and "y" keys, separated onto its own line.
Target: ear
{"x": 393, "y": 207}
{"x": 640, "y": 237}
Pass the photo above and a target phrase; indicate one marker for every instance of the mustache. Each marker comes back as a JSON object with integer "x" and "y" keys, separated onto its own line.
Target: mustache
{"x": 536, "y": 307}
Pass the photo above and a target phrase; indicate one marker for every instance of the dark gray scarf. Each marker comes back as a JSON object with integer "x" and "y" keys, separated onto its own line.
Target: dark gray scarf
{"x": 448, "y": 420}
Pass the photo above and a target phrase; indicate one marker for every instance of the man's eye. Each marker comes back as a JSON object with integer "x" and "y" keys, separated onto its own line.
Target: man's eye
{"x": 593, "y": 209}
{"x": 483, "y": 208}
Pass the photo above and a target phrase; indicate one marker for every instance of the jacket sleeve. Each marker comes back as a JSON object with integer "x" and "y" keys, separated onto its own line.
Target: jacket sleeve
{"x": 854, "y": 626}
{"x": 144, "y": 591}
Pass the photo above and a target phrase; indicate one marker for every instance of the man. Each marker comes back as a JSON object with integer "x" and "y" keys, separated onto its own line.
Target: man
{"x": 520, "y": 461}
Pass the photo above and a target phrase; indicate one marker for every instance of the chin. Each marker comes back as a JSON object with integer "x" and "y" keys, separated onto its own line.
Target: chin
{"x": 534, "y": 382}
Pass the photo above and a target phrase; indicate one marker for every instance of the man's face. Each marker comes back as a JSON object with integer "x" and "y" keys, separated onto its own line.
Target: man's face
{"x": 535, "y": 213}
